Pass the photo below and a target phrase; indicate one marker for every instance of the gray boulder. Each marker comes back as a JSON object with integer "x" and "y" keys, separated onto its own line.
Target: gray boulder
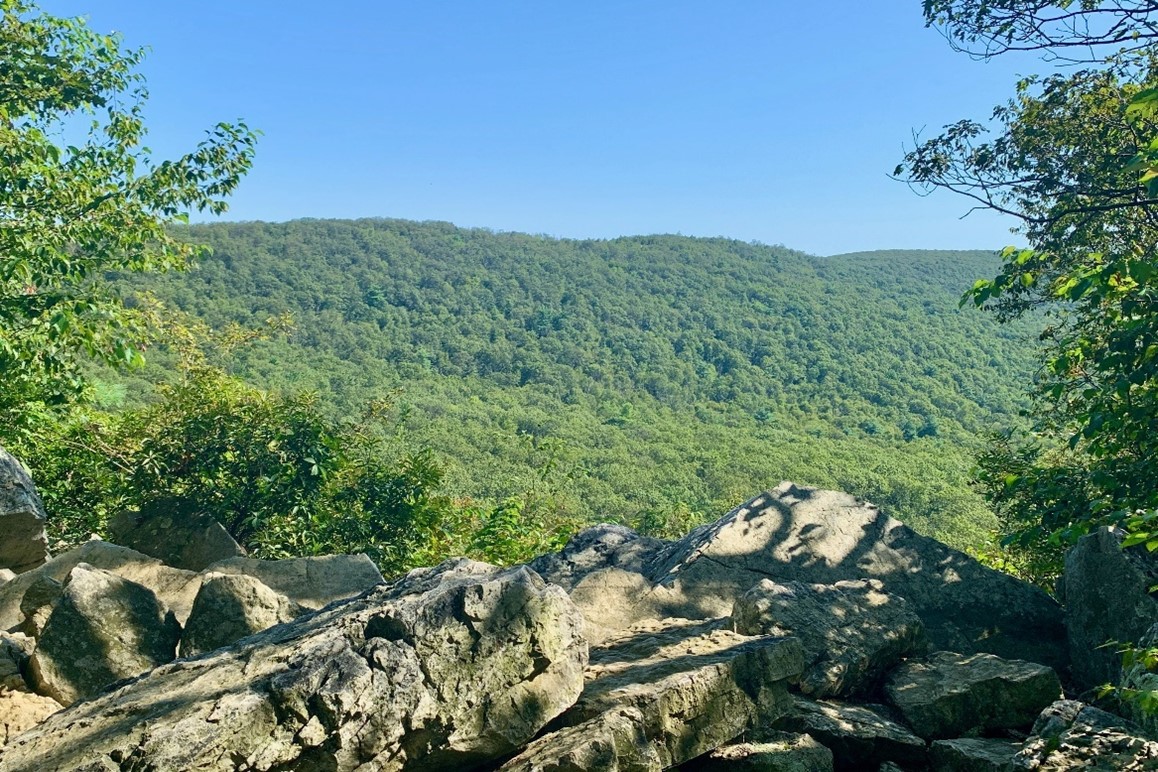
{"x": 103, "y": 628}
{"x": 859, "y": 736}
{"x": 37, "y": 603}
{"x": 664, "y": 693}
{"x": 973, "y": 754}
{"x": 781, "y": 752}
{"x": 23, "y": 542}
{"x": 173, "y": 531}
{"x": 853, "y": 632}
{"x": 445, "y": 669}
{"x": 1071, "y": 735}
{"x": 230, "y": 607}
{"x": 1107, "y": 599}
{"x": 796, "y": 533}
{"x": 15, "y": 649}
{"x": 311, "y": 582}
{"x": 949, "y": 694}
{"x": 174, "y": 587}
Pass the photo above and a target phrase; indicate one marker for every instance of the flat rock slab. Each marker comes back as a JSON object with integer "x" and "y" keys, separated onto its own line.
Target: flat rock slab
{"x": 973, "y": 754}
{"x": 445, "y": 669}
{"x": 859, "y": 736}
{"x": 103, "y": 629}
{"x": 949, "y": 695}
{"x": 23, "y": 543}
{"x": 784, "y": 752}
{"x": 174, "y": 531}
{"x": 311, "y": 582}
{"x": 853, "y": 632}
{"x": 1071, "y": 735}
{"x": 664, "y": 693}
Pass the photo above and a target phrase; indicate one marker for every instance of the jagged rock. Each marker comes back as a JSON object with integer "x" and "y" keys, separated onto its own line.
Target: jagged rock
{"x": 1072, "y": 735}
{"x": 664, "y": 693}
{"x": 1107, "y": 599}
{"x": 949, "y": 694}
{"x": 853, "y": 633}
{"x": 973, "y": 754}
{"x": 602, "y": 568}
{"x": 859, "y": 736}
{"x": 311, "y": 582}
{"x": 173, "y": 531}
{"x": 20, "y": 711}
{"x": 445, "y": 669}
{"x": 783, "y": 752}
{"x": 103, "y": 628}
{"x": 15, "y": 649}
{"x": 230, "y": 607}
{"x": 174, "y": 587}
{"x": 796, "y": 533}
{"x": 23, "y": 543}
{"x": 37, "y": 603}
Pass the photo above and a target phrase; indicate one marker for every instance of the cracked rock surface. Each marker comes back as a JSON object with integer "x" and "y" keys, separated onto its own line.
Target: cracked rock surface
{"x": 664, "y": 693}
{"x": 803, "y": 534}
{"x": 446, "y": 668}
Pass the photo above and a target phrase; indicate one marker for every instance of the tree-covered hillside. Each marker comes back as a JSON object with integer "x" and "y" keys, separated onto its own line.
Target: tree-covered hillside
{"x": 646, "y": 379}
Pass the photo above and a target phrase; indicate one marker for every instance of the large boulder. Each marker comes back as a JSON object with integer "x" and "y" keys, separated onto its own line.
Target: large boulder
{"x": 796, "y": 533}
{"x": 176, "y": 533}
{"x": 103, "y": 628}
{"x": 230, "y": 607}
{"x": 1071, "y": 735}
{"x": 665, "y": 693}
{"x": 1107, "y": 599}
{"x": 853, "y": 632}
{"x": 23, "y": 543}
{"x": 950, "y": 694}
{"x": 174, "y": 587}
{"x": 445, "y": 669}
{"x": 859, "y": 736}
{"x": 973, "y": 754}
{"x": 311, "y": 582}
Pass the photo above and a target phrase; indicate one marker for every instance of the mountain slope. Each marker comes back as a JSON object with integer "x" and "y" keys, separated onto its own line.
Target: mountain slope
{"x": 645, "y": 378}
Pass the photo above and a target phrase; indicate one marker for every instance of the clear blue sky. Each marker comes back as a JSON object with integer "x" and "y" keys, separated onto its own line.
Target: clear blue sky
{"x": 770, "y": 121}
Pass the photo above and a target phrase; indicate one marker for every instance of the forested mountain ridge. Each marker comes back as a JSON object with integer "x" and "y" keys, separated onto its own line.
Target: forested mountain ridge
{"x": 678, "y": 373}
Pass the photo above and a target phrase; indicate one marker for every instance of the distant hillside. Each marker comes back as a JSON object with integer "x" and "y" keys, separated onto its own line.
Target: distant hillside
{"x": 653, "y": 377}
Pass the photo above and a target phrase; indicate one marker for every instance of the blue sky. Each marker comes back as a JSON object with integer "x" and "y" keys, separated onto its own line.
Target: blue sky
{"x": 770, "y": 121}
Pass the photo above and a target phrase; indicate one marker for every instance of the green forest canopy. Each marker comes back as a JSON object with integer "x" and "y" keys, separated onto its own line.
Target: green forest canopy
{"x": 652, "y": 380}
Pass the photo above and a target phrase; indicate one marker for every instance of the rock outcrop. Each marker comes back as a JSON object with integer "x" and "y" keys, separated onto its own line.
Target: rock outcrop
{"x": 665, "y": 693}
{"x": 103, "y": 628}
{"x": 230, "y": 607}
{"x": 859, "y": 736}
{"x": 780, "y": 752}
{"x": 950, "y": 695}
{"x": 1107, "y": 599}
{"x": 796, "y": 533}
{"x": 852, "y": 632}
{"x": 175, "y": 532}
{"x": 444, "y": 669}
{"x": 23, "y": 543}
{"x": 1071, "y": 735}
{"x": 310, "y": 582}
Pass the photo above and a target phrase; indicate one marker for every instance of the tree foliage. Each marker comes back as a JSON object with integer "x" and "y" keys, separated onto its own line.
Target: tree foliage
{"x": 80, "y": 196}
{"x": 1072, "y": 156}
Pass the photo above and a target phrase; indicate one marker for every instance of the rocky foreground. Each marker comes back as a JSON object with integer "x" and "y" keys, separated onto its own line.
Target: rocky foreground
{"x": 804, "y": 630}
